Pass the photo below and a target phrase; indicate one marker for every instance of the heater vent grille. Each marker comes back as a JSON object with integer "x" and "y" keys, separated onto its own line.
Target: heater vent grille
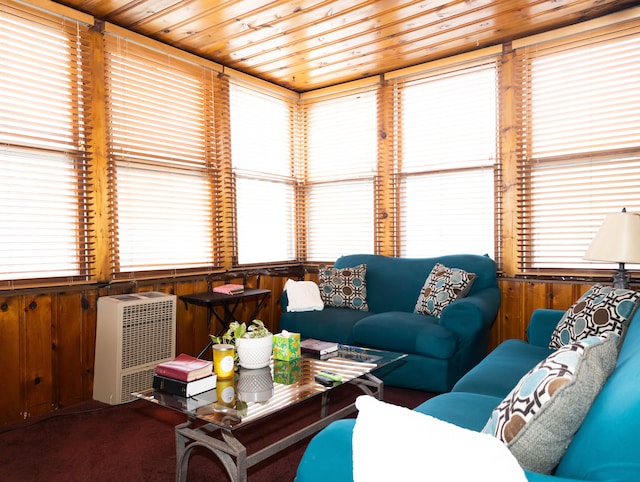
{"x": 134, "y": 333}
{"x": 132, "y": 382}
{"x": 147, "y": 333}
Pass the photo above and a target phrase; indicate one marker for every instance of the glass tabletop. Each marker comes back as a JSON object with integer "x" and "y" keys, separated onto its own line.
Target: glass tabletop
{"x": 253, "y": 394}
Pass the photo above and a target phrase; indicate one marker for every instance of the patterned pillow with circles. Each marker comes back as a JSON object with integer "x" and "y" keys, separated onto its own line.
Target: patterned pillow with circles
{"x": 442, "y": 287}
{"x": 540, "y": 416}
{"x": 602, "y": 309}
{"x": 344, "y": 287}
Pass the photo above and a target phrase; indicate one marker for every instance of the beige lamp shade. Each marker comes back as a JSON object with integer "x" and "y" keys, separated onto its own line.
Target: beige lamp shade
{"x": 618, "y": 240}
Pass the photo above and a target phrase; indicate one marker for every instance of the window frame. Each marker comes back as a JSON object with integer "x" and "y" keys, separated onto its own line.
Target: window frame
{"x": 589, "y": 174}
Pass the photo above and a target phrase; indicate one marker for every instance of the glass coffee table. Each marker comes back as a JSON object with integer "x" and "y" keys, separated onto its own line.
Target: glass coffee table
{"x": 252, "y": 395}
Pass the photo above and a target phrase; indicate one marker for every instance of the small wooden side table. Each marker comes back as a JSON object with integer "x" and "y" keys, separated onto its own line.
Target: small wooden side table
{"x": 229, "y": 305}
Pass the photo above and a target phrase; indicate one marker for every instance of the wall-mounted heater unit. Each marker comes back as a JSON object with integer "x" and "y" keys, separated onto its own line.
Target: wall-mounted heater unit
{"x": 134, "y": 333}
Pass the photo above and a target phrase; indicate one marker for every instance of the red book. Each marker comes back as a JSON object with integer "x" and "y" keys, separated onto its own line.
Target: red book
{"x": 229, "y": 289}
{"x": 185, "y": 368}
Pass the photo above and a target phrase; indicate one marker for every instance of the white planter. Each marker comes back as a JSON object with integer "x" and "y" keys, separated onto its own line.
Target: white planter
{"x": 255, "y": 385}
{"x": 254, "y": 352}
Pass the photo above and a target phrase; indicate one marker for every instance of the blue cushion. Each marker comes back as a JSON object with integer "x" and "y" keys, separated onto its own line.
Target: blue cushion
{"x": 405, "y": 332}
{"x": 467, "y": 410}
{"x": 498, "y": 373}
{"x": 332, "y": 324}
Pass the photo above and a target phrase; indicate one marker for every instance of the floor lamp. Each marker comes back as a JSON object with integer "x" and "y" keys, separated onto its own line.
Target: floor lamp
{"x": 617, "y": 241}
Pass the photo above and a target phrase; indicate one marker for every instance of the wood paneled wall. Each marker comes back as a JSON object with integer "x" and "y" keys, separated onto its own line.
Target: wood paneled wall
{"x": 47, "y": 338}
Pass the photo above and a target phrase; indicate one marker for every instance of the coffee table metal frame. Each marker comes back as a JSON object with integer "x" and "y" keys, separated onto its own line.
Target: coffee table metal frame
{"x": 219, "y": 438}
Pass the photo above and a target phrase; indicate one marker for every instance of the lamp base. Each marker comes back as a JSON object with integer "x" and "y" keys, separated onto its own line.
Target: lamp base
{"x": 621, "y": 279}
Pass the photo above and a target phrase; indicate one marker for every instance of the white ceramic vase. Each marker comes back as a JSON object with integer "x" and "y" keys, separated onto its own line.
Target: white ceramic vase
{"x": 254, "y": 352}
{"x": 255, "y": 385}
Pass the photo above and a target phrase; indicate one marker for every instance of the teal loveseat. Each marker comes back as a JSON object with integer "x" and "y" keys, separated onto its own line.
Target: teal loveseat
{"x": 440, "y": 350}
{"x": 606, "y": 446}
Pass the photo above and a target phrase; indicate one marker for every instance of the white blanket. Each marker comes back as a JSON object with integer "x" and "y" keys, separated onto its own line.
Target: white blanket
{"x": 303, "y": 296}
{"x": 393, "y": 443}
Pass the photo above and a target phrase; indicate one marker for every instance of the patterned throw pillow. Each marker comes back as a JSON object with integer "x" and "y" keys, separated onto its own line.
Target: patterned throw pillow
{"x": 540, "y": 416}
{"x": 442, "y": 287}
{"x": 602, "y": 309}
{"x": 344, "y": 287}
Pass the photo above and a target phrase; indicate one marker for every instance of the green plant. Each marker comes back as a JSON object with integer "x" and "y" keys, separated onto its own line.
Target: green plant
{"x": 256, "y": 329}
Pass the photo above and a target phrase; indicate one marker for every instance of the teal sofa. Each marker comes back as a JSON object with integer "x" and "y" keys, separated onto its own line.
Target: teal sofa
{"x": 606, "y": 447}
{"x": 440, "y": 350}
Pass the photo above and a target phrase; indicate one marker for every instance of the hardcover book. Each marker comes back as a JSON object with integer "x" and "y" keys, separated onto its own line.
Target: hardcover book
{"x": 185, "y": 368}
{"x": 318, "y": 347}
{"x": 184, "y": 389}
{"x": 229, "y": 289}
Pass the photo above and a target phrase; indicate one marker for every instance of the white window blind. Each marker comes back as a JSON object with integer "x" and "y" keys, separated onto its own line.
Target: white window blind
{"x": 160, "y": 148}
{"x": 44, "y": 184}
{"x": 262, "y": 160}
{"x": 341, "y": 171}
{"x": 579, "y": 151}
{"x": 448, "y": 132}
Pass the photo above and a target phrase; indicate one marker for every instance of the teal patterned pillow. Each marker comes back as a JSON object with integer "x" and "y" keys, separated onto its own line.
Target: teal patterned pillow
{"x": 602, "y": 309}
{"x": 540, "y": 416}
{"x": 344, "y": 287}
{"x": 443, "y": 286}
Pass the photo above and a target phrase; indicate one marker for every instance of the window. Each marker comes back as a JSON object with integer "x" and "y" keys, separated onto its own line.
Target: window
{"x": 579, "y": 151}
{"x": 448, "y": 160}
{"x": 45, "y": 187}
{"x": 339, "y": 187}
{"x": 262, "y": 159}
{"x": 161, "y": 158}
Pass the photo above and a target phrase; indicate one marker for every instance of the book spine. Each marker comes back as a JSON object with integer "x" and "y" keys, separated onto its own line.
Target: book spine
{"x": 315, "y": 351}
{"x": 176, "y": 387}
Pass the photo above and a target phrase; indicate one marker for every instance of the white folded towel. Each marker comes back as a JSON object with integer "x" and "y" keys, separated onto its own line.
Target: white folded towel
{"x": 303, "y": 296}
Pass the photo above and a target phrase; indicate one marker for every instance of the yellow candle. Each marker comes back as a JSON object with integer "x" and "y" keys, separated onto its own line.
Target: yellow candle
{"x": 223, "y": 360}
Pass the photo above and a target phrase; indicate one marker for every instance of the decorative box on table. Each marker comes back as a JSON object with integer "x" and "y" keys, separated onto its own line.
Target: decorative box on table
{"x": 287, "y": 372}
{"x": 286, "y": 346}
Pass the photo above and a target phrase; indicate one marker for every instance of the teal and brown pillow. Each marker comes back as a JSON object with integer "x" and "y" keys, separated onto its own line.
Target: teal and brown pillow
{"x": 540, "y": 416}
{"x": 602, "y": 309}
{"x": 344, "y": 287}
{"x": 443, "y": 286}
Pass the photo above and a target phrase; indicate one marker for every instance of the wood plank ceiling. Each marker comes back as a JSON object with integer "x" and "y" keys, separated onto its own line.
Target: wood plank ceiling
{"x": 308, "y": 44}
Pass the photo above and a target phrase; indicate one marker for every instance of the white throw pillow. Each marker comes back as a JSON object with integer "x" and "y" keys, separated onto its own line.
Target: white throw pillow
{"x": 303, "y": 296}
{"x": 394, "y": 443}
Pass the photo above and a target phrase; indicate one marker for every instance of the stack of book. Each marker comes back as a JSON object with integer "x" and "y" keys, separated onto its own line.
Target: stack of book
{"x": 185, "y": 376}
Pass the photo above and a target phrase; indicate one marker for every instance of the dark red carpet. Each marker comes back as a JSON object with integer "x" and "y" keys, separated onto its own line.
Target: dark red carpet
{"x": 135, "y": 441}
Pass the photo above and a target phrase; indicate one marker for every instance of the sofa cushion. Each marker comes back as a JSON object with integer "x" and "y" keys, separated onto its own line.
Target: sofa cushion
{"x": 331, "y": 324}
{"x": 600, "y": 310}
{"x": 442, "y": 287}
{"x": 391, "y": 442}
{"x": 538, "y": 419}
{"x": 501, "y": 369}
{"x": 405, "y": 332}
{"x": 344, "y": 287}
{"x": 467, "y": 410}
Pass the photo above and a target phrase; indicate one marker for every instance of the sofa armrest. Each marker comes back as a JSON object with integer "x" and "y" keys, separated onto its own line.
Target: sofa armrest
{"x": 471, "y": 314}
{"x": 541, "y": 325}
{"x": 284, "y": 301}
